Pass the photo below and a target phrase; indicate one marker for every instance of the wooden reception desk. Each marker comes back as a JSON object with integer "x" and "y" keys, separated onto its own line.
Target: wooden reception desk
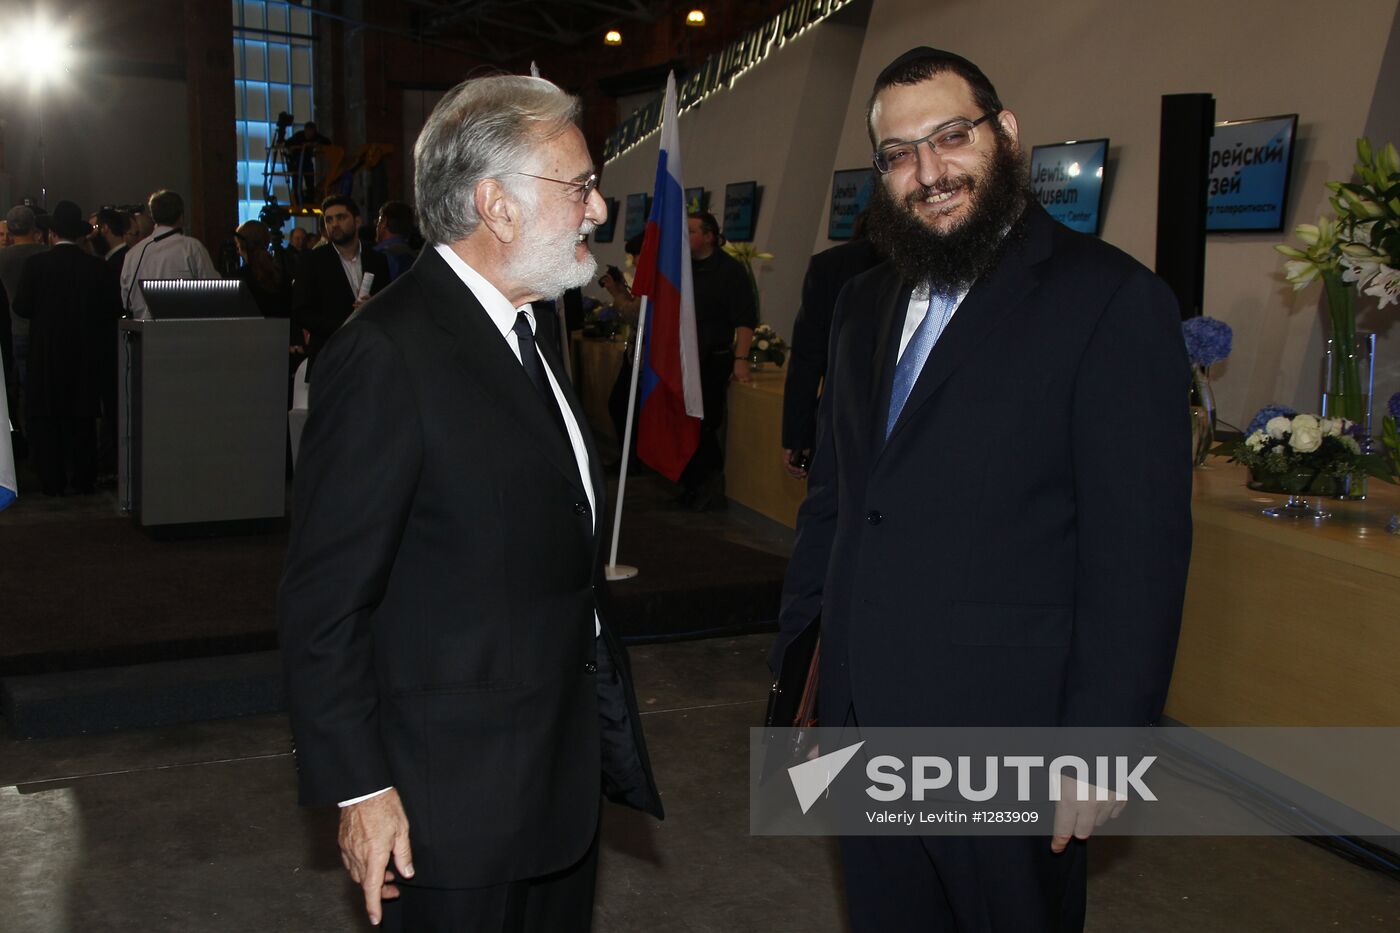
{"x": 1287, "y": 622}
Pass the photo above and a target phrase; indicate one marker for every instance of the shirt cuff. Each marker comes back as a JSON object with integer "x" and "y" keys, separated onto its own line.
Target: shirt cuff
{"x": 345, "y": 803}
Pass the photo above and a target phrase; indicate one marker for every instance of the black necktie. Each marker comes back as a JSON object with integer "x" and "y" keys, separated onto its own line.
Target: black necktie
{"x": 534, "y": 368}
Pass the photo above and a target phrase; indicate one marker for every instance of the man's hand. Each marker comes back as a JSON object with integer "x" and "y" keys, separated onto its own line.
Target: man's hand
{"x": 789, "y": 462}
{"x": 370, "y": 832}
{"x": 741, "y": 371}
{"x": 1078, "y": 818}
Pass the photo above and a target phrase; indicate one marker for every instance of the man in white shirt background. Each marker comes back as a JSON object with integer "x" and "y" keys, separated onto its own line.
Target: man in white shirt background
{"x": 166, "y": 254}
{"x": 331, "y": 279}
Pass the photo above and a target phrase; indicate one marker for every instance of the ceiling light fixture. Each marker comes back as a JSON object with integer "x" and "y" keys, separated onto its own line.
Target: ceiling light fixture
{"x": 612, "y": 37}
{"x": 695, "y": 18}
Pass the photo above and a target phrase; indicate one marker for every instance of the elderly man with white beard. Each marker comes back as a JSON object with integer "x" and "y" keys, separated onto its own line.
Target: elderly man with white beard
{"x": 452, "y": 680}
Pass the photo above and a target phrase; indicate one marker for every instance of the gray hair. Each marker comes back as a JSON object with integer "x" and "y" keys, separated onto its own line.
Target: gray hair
{"x": 483, "y": 128}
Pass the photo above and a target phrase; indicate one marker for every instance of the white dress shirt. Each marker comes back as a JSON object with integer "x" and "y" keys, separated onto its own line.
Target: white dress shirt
{"x": 502, "y": 314}
{"x": 165, "y": 254}
{"x": 354, "y": 268}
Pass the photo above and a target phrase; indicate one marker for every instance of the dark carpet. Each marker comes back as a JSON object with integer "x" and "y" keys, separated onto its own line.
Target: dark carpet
{"x": 91, "y": 590}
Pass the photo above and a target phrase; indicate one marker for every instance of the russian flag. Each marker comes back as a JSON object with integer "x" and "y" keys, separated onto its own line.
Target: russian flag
{"x": 670, "y": 406}
{"x": 9, "y": 489}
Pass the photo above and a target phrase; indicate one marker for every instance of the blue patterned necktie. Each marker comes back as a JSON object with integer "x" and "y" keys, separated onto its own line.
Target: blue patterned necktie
{"x": 911, "y": 363}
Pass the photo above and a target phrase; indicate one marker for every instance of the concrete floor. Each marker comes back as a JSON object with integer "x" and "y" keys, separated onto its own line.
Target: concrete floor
{"x": 194, "y": 828}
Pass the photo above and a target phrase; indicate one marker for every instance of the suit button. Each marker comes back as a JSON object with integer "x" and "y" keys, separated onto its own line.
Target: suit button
{"x": 589, "y": 667}
{"x": 580, "y": 508}
{"x": 874, "y": 517}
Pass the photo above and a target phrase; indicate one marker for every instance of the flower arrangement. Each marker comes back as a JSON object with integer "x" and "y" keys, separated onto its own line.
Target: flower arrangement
{"x": 1301, "y": 454}
{"x": 1360, "y": 246}
{"x": 746, "y": 253}
{"x": 602, "y": 321}
{"x": 767, "y": 346}
{"x": 1208, "y": 340}
{"x": 1267, "y": 414}
{"x": 1390, "y": 435}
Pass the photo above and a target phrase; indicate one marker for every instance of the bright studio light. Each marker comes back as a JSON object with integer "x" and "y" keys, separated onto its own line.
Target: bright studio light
{"x": 38, "y": 51}
{"x": 612, "y": 37}
{"x": 695, "y": 18}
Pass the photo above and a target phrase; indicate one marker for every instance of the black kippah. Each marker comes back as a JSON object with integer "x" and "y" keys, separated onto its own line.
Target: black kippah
{"x": 925, "y": 53}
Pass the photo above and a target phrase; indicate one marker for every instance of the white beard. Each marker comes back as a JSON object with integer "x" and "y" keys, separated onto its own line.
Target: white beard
{"x": 546, "y": 262}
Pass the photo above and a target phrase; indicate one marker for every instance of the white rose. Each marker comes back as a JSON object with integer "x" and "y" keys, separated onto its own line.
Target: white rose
{"x": 1278, "y": 427}
{"x": 1306, "y": 422}
{"x": 1330, "y": 427}
{"x": 763, "y": 345}
{"x": 1256, "y": 441}
{"x": 1305, "y": 437}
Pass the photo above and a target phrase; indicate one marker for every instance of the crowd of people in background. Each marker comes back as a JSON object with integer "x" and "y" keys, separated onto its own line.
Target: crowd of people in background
{"x": 67, "y": 278}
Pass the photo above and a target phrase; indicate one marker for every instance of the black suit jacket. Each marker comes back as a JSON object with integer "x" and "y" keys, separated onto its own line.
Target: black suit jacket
{"x": 1016, "y": 552}
{"x": 72, "y": 301}
{"x": 322, "y": 298}
{"x": 437, "y": 609}
{"x": 827, "y": 272}
{"x": 117, "y": 260}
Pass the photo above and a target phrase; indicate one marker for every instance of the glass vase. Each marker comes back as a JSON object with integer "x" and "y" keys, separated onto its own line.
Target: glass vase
{"x": 1202, "y": 415}
{"x": 1349, "y": 364}
{"x": 1303, "y": 487}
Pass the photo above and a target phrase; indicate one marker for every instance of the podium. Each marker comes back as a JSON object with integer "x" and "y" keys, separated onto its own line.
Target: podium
{"x": 202, "y": 420}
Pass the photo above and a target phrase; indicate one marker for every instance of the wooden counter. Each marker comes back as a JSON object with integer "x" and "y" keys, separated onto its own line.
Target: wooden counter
{"x": 753, "y": 468}
{"x": 1288, "y": 622}
{"x": 596, "y": 365}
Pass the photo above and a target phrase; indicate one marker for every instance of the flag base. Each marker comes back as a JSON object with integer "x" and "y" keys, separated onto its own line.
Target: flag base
{"x": 620, "y": 572}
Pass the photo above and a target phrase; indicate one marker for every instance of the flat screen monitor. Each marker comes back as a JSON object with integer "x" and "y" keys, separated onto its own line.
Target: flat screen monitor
{"x": 1251, "y": 162}
{"x": 635, "y": 223}
{"x": 184, "y": 299}
{"x": 1068, "y": 179}
{"x": 740, "y": 211}
{"x": 850, "y": 193}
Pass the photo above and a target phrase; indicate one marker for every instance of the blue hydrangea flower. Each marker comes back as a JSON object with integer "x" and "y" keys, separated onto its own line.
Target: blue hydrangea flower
{"x": 1393, "y": 406}
{"x": 1208, "y": 340}
{"x": 1266, "y": 414}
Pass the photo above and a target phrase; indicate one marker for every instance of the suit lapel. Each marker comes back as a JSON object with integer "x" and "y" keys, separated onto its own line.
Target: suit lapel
{"x": 552, "y": 358}
{"x": 485, "y": 356}
{"x": 992, "y": 298}
{"x": 890, "y": 308}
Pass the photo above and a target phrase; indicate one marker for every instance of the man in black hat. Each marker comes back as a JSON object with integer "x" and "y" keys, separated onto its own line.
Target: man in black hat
{"x": 71, "y": 301}
{"x": 977, "y": 552}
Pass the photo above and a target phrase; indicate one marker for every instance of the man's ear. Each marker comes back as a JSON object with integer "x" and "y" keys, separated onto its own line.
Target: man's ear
{"x": 497, "y": 210}
{"x": 1007, "y": 119}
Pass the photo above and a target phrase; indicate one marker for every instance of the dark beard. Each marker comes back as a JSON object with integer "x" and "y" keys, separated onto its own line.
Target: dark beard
{"x": 948, "y": 263}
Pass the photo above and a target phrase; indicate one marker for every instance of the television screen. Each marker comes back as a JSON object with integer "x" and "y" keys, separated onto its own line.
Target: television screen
{"x": 603, "y": 233}
{"x": 850, "y": 192}
{"x": 1250, "y": 164}
{"x": 695, "y": 200}
{"x": 636, "y": 221}
{"x": 1068, "y": 179}
{"x": 740, "y": 211}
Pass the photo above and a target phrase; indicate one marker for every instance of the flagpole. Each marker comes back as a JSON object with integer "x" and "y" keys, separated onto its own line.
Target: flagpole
{"x": 613, "y": 570}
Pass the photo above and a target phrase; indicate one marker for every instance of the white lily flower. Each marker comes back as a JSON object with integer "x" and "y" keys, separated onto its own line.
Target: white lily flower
{"x": 1385, "y": 286}
{"x": 1300, "y": 273}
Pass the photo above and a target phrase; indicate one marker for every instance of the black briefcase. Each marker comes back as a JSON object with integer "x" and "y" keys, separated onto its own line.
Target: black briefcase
{"x": 792, "y": 703}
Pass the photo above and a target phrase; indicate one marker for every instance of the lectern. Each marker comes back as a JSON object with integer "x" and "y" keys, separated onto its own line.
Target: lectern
{"x": 202, "y": 402}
